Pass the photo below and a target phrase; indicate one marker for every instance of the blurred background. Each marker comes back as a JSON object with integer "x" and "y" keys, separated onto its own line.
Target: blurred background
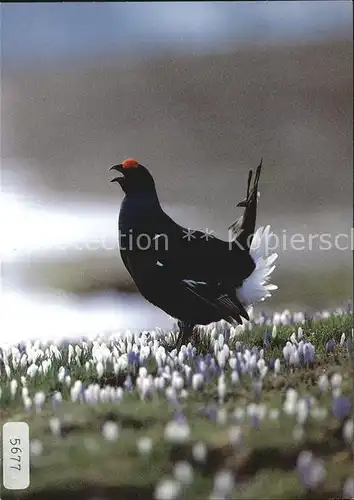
{"x": 198, "y": 93}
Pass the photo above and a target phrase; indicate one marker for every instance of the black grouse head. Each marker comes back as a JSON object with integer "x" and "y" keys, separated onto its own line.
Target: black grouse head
{"x": 135, "y": 177}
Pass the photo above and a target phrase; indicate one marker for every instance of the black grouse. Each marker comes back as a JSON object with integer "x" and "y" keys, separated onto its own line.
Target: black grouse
{"x": 191, "y": 275}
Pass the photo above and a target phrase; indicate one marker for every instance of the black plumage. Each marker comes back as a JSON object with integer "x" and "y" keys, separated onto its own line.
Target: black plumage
{"x": 191, "y": 275}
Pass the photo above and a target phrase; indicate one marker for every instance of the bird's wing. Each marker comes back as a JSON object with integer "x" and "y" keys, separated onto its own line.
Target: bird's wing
{"x": 202, "y": 257}
{"x": 220, "y": 296}
{"x": 197, "y": 280}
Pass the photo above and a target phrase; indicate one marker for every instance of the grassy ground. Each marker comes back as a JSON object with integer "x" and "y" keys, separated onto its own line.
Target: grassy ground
{"x": 252, "y": 432}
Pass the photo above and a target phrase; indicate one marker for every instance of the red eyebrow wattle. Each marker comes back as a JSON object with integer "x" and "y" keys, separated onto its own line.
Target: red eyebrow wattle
{"x": 130, "y": 163}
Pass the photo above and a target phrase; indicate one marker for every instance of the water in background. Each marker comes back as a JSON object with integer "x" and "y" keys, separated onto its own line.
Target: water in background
{"x": 60, "y": 121}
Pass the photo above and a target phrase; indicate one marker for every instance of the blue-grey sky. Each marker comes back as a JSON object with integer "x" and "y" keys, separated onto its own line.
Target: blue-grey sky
{"x": 49, "y": 32}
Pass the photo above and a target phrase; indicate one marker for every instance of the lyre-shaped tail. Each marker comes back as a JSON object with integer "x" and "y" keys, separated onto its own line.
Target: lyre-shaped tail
{"x": 244, "y": 228}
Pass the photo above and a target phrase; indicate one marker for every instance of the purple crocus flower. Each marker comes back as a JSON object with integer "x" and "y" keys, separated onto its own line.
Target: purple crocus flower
{"x": 207, "y": 375}
{"x": 189, "y": 352}
{"x": 303, "y": 462}
{"x": 56, "y": 400}
{"x": 207, "y": 358}
{"x": 179, "y": 416}
{"x": 330, "y": 345}
{"x": 266, "y": 339}
{"x": 308, "y": 353}
{"x": 313, "y": 475}
{"x": 132, "y": 358}
{"x": 213, "y": 367}
{"x": 257, "y": 387}
{"x": 255, "y": 422}
{"x": 341, "y": 407}
{"x": 198, "y": 360}
{"x": 308, "y": 402}
{"x": 239, "y": 367}
{"x": 271, "y": 364}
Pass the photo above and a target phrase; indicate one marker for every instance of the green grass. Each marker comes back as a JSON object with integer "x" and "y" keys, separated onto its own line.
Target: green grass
{"x": 81, "y": 464}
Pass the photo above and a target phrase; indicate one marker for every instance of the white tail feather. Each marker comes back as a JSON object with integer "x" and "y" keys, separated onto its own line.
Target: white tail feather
{"x": 256, "y": 287}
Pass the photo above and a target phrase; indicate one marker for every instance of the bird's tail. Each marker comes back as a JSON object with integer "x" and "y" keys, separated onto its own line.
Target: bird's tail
{"x": 256, "y": 287}
{"x": 243, "y": 229}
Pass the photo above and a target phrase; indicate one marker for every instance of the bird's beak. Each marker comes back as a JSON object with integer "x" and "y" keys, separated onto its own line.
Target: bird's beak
{"x": 118, "y": 168}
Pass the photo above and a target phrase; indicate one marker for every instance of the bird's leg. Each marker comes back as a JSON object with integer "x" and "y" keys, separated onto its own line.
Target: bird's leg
{"x": 185, "y": 333}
